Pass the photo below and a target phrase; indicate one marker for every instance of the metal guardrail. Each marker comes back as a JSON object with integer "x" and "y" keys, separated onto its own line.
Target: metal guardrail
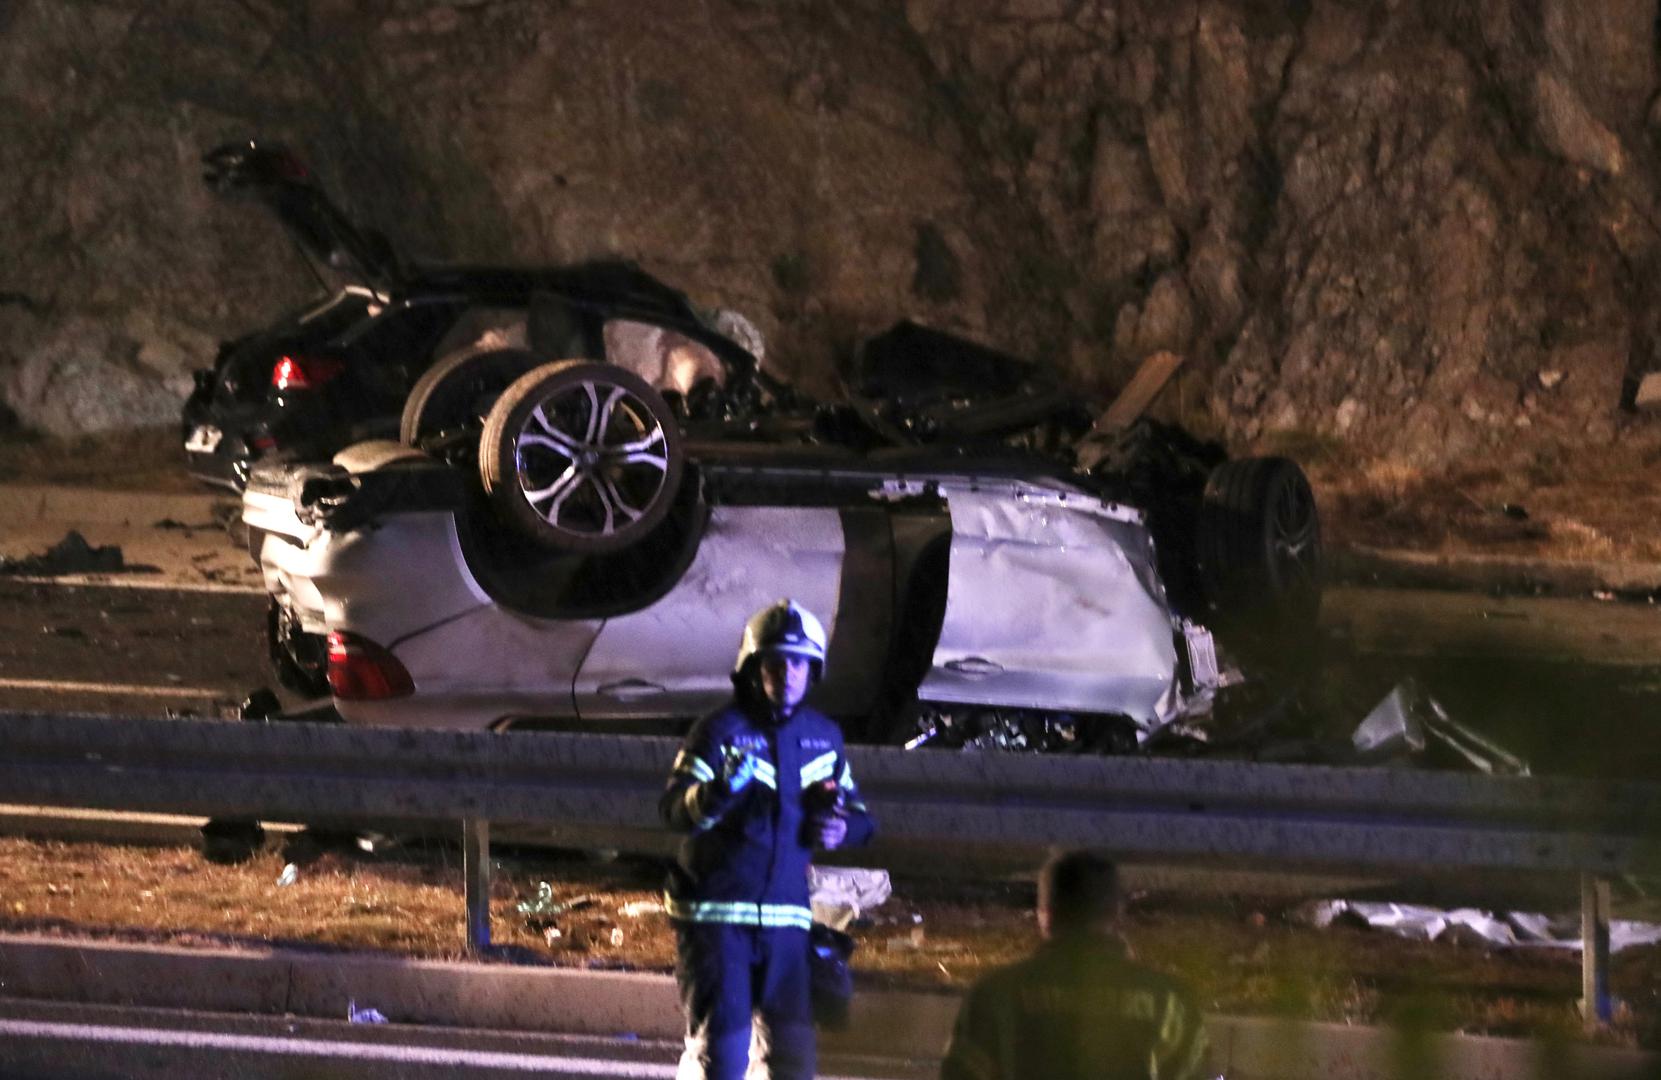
{"x": 1357, "y": 817}
{"x": 961, "y": 803}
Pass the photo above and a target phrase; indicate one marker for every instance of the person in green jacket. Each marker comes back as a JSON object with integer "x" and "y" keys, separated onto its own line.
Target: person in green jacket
{"x": 1079, "y": 1006}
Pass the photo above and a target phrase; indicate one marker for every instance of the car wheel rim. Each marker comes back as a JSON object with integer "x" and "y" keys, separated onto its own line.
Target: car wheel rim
{"x": 592, "y": 459}
{"x": 1295, "y": 538}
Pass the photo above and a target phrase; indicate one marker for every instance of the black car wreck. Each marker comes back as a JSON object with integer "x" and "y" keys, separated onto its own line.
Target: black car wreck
{"x": 342, "y": 369}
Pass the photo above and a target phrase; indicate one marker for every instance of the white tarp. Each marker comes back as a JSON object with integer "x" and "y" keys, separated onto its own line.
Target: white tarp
{"x": 840, "y": 894}
{"x": 1510, "y": 929}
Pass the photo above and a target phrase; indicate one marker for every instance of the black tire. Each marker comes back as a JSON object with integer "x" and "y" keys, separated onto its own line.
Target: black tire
{"x": 573, "y": 447}
{"x": 456, "y": 393}
{"x": 1258, "y": 545}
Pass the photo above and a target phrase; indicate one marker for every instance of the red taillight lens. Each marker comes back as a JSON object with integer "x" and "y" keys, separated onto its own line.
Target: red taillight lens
{"x": 360, "y": 670}
{"x": 305, "y": 372}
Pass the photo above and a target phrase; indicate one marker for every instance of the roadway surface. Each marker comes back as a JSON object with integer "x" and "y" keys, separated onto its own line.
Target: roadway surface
{"x": 42, "y": 1040}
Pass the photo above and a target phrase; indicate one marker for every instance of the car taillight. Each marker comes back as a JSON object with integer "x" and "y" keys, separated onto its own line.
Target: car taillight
{"x": 360, "y": 670}
{"x": 305, "y": 372}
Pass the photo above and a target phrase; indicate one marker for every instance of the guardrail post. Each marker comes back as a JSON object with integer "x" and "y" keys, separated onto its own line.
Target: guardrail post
{"x": 475, "y": 867}
{"x": 1596, "y": 1006}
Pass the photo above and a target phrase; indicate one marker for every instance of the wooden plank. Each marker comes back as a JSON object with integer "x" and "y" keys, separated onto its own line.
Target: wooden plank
{"x": 1139, "y": 393}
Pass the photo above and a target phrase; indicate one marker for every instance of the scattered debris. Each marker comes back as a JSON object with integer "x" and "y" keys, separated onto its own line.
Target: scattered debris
{"x": 73, "y": 555}
{"x": 230, "y": 841}
{"x": 546, "y": 907}
{"x": 1391, "y": 729}
{"x": 1408, "y": 722}
{"x": 912, "y": 940}
{"x": 290, "y": 874}
{"x": 260, "y": 704}
{"x": 840, "y": 894}
{"x": 363, "y": 1016}
{"x": 1511, "y": 929}
{"x": 634, "y": 909}
{"x": 546, "y": 914}
{"x": 584, "y": 937}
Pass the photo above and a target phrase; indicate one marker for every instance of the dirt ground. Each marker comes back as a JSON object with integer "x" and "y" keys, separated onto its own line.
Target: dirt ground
{"x": 146, "y": 459}
{"x": 1598, "y": 503}
{"x": 1244, "y": 955}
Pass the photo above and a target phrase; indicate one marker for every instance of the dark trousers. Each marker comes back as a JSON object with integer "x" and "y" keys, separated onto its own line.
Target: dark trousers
{"x": 729, "y": 974}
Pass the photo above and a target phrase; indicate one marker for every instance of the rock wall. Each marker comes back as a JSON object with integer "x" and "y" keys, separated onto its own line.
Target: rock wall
{"x": 1422, "y": 225}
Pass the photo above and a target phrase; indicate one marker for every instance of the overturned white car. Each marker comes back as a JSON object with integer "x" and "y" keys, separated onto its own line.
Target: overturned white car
{"x": 591, "y": 563}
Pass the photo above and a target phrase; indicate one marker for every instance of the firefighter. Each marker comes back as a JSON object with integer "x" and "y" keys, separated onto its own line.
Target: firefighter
{"x": 758, "y": 785}
{"x": 1079, "y": 1006}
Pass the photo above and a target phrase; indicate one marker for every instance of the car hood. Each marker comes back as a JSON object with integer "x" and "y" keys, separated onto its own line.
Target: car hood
{"x": 275, "y": 176}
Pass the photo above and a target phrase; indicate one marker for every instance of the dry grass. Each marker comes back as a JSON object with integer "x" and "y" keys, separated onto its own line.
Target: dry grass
{"x": 1243, "y": 958}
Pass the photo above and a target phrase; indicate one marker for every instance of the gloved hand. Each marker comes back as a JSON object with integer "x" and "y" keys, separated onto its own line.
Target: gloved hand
{"x": 825, "y": 825}
{"x": 828, "y": 830}
{"x": 738, "y": 770}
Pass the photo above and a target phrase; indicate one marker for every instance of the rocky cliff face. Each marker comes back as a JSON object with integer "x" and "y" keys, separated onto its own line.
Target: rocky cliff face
{"x": 1426, "y": 226}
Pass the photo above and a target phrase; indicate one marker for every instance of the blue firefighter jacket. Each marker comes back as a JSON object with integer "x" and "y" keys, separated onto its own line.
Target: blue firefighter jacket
{"x": 746, "y": 856}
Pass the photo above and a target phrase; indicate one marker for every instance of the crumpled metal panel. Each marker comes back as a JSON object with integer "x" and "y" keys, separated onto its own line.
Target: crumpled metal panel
{"x": 1053, "y": 606}
{"x": 675, "y": 657}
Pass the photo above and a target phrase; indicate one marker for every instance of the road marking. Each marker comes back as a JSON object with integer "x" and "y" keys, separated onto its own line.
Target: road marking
{"x": 113, "y": 581}
{"x": 263, "y": 1044}
{"x": 60, "y": 686}
{"x": 360, "y": 1051}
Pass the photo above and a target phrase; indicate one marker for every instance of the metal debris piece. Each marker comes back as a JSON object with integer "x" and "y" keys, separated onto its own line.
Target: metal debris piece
{"x": 545, "y": 906}
{"x": 1410, "y": 722}
{"x": 1391, "y": 729}
{"x": 634, "y": 909}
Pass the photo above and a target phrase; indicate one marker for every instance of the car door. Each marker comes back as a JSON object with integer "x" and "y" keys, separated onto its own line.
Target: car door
{"x": 1053, "y": 603}
{"x": 675, "y": 657}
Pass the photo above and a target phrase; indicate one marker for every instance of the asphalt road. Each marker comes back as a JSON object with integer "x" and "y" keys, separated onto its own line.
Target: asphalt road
{"x": 139, "y": 651}
{"x": 41, "y": 1040}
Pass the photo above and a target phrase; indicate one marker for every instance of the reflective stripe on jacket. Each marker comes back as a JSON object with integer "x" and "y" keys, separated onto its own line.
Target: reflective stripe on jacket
{"x": 745, "y": 858}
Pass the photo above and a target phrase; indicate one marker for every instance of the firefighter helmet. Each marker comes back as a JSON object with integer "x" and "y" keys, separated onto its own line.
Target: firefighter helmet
{"x": 783, "y": 627}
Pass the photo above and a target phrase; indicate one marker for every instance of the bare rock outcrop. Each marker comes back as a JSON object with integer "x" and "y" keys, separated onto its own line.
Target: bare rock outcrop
{"x": 1423, "y": 225}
